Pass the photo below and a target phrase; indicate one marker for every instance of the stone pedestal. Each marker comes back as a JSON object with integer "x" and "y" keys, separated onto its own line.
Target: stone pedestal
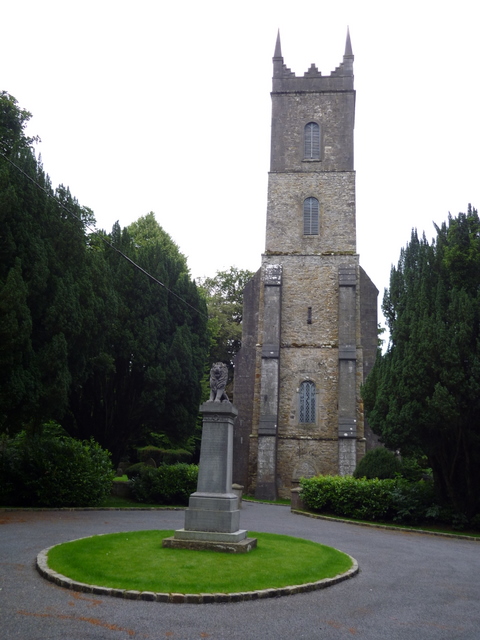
{"x": 212, "y": 519}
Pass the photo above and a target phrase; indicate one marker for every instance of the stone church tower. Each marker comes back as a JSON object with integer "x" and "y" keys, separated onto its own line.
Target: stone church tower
{"x": 310, "y": 312}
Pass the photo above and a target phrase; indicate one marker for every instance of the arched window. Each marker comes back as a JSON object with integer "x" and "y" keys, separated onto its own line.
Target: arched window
{"x": 312, "y": 141}
{"x": 307, "y": 402}
{"x": 310, "y": 217}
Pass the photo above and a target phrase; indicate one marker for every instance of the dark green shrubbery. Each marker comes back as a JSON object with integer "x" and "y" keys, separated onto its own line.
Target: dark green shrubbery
{"x": 134, "y": 470}
{"x": 167, "y": 484}
{"x": 163, "y": 456}
{"x": 378, "y": 463}
{"x": 394, "y": 500}
{"x": 382, "y": 463}
{"x": 53, "y": 470}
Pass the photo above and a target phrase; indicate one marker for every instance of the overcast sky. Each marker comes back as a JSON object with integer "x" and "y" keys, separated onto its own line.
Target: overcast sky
{"x": 165, "y": 107}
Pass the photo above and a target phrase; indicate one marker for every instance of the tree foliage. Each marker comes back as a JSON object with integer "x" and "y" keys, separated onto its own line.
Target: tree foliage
{"x": 423, "y": 395}
{"x": 224, "y": 295}
{"x": 42, "y": 278}
{"x": 378, "y": 463}
{"x": 13, "y": 121}
{"x": 146, "y": 377}
{"x": 87, "y": 339}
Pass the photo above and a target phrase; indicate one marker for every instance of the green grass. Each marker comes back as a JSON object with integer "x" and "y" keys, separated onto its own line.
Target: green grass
{"x": 137, "y": 560}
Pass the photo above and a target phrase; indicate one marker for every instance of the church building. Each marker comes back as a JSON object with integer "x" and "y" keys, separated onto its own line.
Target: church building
{"x": 310, "y": 312}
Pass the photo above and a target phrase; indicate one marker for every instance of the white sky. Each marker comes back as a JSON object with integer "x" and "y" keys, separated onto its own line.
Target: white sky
{"x": 165, "y": 107}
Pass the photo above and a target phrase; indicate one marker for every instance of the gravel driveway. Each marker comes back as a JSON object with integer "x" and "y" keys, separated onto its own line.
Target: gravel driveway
{"x": 410, "y": 586}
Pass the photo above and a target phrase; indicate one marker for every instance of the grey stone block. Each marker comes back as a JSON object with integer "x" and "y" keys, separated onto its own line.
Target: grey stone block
{"x": 211, "y": 536}
{"x": 213, "y": 501}
{"x": 244, "y": 546}
{"x": 211, "y": 520}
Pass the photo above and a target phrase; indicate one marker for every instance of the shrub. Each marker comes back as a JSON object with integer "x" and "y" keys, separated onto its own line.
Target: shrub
{"x": 167, "y": 484}
{"x": 52, "y": 470}
{"x": 349, "y": 497}
{"x": 174, "y": 456}
{"x": 475, "y": 522}
{"x": 378, "y": 463}
{"x": 390, "y": 499}
{"x": 415, "y": 469}
{"x": 163, "y": 456}
{"x": 155, "y": 453}
{"x": 134, "y": 470}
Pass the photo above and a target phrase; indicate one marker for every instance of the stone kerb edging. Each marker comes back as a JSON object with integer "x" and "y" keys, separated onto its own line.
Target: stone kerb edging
{"x": 186, "y": 598}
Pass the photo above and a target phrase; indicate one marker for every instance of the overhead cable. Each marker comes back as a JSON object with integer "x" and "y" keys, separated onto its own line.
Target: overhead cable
{"x": 101, "y": 236}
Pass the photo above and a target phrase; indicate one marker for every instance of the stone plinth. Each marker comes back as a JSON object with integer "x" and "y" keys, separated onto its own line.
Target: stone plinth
{"x": 212, "y": 520}
{"x": 195, "y": 540}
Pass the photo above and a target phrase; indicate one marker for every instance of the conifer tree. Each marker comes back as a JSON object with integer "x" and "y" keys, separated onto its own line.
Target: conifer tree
{"x": 147, "y": 379}
{"x": 42, "y": 252}
{"x": 423, "y": 395}
{"x": 86, "y": 339}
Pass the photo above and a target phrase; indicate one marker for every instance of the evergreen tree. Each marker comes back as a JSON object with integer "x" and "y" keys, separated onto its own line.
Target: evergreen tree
{"x": 41, "y": 265}
{"x": 147, "y": 379}
{"x": 13, "y": 121}
{"x": 423, "y": 395}
{"x": 87, "y": 339}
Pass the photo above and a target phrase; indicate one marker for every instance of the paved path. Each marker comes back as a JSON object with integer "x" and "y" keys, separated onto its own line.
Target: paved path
{"x": 410, "y": 586}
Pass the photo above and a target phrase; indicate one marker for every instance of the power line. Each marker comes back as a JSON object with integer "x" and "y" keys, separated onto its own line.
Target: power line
{"x": 102, "y": 237}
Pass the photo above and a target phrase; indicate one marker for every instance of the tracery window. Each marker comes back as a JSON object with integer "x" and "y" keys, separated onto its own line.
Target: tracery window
{"x": 312, "y": 141}
{"x": 310, "y": 217}
{"x": 307, "y": 402}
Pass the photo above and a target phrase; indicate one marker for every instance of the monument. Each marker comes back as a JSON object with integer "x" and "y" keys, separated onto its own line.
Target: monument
{"x": 212, "y": 519}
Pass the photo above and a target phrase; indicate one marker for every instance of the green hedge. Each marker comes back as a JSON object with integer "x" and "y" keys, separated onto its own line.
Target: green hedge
{"x": 166, "y": 485}
{"x": 394, "y": 500}
{"x": 53, "y": 470}
{"x": 163, "y": 456}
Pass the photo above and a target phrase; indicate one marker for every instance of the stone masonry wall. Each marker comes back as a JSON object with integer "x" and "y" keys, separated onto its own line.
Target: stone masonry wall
{"x": 309, "y": 351}
{"x": 244, "y": 381}
{"x": 335, "y": 192}
{"x": 333, "y": 112}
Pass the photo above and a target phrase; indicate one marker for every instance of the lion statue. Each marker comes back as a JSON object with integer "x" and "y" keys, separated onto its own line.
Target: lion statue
{"x": 218, "y": 382}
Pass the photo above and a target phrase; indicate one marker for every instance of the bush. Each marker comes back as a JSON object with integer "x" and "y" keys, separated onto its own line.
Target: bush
{"x": 53, "y": 470}
{"x": 134, "y": 470}
{"x": 378, "y": 463}
{"x": 415, "y": 469}
{"x": 155, "y": 453}
{"x": 174, "y": 456}
{"x": 163, "y": 456}
{"x": 414, "y": 502}
{"x": 349, "y": 497}
{"x": 167, "y": 484}
{"x": 390, "y": 499}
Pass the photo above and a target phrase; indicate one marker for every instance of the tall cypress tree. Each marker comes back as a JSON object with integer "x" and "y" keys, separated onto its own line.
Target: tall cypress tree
{"x": 86, "y": 339}
{"x": 41, "y": 250}
{"x": 148, "y": 378}
{"x": 423, "y": 394}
